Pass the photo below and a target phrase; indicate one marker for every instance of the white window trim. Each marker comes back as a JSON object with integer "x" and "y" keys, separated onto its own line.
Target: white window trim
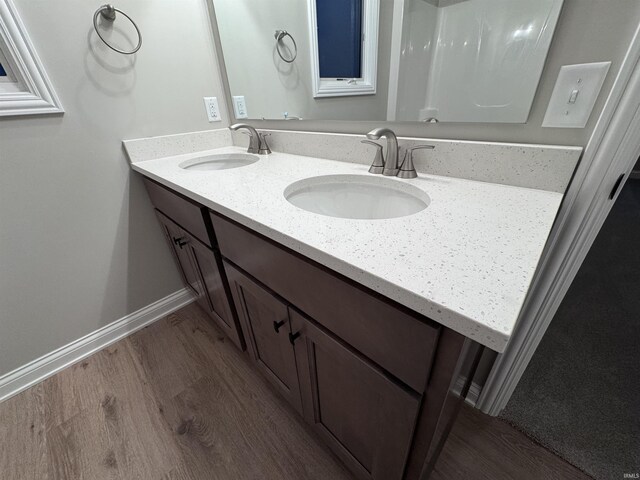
{"x": 331, "y": 87}
{"x": 27, "y": 90}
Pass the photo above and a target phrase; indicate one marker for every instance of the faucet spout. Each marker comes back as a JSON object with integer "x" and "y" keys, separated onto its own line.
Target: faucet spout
{"x": 254, "y": 138}
{"x": 391, "y": 164}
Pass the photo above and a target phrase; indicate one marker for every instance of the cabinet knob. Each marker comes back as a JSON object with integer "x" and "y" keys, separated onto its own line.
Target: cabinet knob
{"x": 293, "y": 337}
{"x": 181, "y": 241}
{"x": 277, "y": 325}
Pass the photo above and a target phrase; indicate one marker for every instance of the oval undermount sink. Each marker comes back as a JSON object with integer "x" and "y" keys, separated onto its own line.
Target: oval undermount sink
{"x": 222, "y": 161}
{"x": 357, "y": 197}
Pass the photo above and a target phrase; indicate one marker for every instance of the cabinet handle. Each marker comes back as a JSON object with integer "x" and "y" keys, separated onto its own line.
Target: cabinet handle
{"x": 293, "y": 336}
{"x": 181, "y": 242}
{"x": 277, "y": 325}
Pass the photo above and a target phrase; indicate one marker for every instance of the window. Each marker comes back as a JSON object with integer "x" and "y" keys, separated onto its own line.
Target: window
{"x": 344, "y": 47}
{"x": 25, "y": 88}
{"x": 339, "y": 38}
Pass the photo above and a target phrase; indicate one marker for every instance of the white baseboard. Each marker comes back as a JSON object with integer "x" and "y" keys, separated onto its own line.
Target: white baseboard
{"x": 34, "y": 372}
{"x": 472, "y": 395}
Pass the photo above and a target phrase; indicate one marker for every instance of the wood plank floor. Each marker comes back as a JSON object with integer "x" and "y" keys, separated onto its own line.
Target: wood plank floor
{"x": 176, "y": 401}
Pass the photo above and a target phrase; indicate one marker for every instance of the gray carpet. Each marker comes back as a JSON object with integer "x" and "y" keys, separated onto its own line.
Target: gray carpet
{"x": 580, "y": 395}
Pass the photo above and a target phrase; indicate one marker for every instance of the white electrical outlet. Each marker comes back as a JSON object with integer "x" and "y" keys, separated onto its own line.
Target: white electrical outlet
{"x": 240, "y": 106}
{"x": 213, "y": 111}
{"x": 575, "y": 94}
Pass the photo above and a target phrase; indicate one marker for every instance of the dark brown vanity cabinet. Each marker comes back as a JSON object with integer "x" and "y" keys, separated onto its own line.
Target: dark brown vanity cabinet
{"x": 373, "y": 378}
{"x": 200, "y": 265}
{"x": 216, "y": 301}
{"x": 363, "y": 414}
{"x": 363, "y": 364}
{"x": 267, "y": 331}
{"x": 177, "y": 240}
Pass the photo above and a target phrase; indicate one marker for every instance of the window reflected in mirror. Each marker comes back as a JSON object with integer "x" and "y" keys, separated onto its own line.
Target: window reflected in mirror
{"x": 339, "y": 38}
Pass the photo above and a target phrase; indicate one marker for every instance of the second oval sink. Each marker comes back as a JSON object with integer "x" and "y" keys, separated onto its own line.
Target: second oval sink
{"x": 222, "y": 161}
{"x": 357, "y": 197}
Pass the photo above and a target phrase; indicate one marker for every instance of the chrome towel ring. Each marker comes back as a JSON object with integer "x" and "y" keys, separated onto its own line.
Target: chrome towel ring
{"x": 279, "y": 35}
{"x": 108, "y": 13}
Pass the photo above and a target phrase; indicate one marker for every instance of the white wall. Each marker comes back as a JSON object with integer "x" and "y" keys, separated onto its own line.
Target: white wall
{"x": 272, "y": 86}
{"x": 79, "y": 245}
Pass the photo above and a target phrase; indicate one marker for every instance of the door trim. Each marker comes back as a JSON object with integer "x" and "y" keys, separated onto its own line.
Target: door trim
{"x": 613, "y": 149}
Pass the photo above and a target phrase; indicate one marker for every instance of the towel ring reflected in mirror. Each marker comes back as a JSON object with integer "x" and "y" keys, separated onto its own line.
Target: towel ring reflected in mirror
{"x": 279, "y": 36}
{"x": 108, "y": 13}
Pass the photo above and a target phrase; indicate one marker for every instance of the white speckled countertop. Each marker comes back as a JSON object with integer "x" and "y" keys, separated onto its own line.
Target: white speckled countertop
{"x": 466, "y": 261}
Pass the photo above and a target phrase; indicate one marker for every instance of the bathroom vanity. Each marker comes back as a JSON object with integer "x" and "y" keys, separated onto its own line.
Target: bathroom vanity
{"x": 356, "y": 365}
{"x": 368, "y": 326}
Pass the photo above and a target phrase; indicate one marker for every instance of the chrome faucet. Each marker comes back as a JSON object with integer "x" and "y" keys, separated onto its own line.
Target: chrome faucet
{"x": 391, "y": 163}
{"x": 254, "y": 137}
{"x": 390, "y": 167}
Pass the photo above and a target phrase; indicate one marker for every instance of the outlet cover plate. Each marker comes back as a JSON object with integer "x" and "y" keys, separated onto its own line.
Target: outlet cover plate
{"x": 240, "y": 106}
{"x": 213, "y": 111}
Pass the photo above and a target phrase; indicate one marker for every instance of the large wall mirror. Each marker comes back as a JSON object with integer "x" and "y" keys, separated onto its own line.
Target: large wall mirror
{"x": 386, "y": 60}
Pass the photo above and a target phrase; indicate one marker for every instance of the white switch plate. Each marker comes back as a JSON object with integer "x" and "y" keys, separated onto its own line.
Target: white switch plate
{"x": 240, "y": 106}
{"x": 575, "y": 94}
{"x": 213, "y": 111}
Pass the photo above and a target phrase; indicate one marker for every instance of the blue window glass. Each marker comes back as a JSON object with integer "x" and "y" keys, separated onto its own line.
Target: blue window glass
{"x": 2, "y": 71}
{"x": 339, "y": 38}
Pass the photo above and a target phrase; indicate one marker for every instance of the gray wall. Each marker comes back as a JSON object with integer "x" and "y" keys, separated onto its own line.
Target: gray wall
{"x": 79, "y": 245}
{"x": 588, "y": 31}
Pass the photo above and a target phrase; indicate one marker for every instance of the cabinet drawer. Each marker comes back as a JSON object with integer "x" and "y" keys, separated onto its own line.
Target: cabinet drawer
{"x": 400, "y": 341}
{"x": 178, "y": 208}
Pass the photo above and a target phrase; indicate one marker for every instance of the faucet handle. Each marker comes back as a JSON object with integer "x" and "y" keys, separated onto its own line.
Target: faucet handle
{"x": 420, "y": 147}
{"x": 264, "y": 146}
{"x": 254, "y": 144}
{"x": 407, "y": 169}
{"x": 378, "y": 162}
{"x": 254, "y": 139}
{"x": 369, "y": 142}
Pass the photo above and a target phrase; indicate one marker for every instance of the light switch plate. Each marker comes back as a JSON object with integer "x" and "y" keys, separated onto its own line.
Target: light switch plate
{"x": 575, "y": 94}
{"x": 213, "y": 111}
{"x": 240, "y": 106}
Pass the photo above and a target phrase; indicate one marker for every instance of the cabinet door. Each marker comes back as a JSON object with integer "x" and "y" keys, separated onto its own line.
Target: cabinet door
{"x": 216, "y": 301}
{"x": 177, "y": 239}
{"x": 365, "y": 416}
{"x": 265, "y": 323}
